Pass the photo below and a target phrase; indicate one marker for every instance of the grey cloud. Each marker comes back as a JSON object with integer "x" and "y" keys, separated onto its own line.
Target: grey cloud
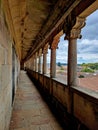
{"x": 90, "y": 30}
{"x": 88, "y": 46}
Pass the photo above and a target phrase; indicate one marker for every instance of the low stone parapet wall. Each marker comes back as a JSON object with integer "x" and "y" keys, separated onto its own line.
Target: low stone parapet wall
{"x": 77, "y": 107}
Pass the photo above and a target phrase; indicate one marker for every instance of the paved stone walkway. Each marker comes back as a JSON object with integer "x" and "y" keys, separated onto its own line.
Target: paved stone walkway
{"x": 30, "y": 112}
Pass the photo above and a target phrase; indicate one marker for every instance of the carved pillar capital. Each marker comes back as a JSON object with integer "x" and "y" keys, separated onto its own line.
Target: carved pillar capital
{"x": 75, "y": 32}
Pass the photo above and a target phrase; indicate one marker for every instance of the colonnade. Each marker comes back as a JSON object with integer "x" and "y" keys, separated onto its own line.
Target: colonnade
{"x": 68, "y": 99}
{"x": 72, "y": 36}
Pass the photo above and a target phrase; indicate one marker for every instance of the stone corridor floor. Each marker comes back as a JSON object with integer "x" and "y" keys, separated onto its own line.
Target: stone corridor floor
{"x": 30, "y": 111}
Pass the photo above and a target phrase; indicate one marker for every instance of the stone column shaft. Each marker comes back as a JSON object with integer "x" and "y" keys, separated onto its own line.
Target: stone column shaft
{"x": 44, "y": 63}
{"x": 72, "y": 69}
{"x": 72, "y": 62}
{"x": 72, "y": 37}
{"x": 36, "y": 63}
{"x": 54, "y": 46}
{"x": 53, "y": 63}
{"x": 39, "y": 64}
{"x": 45, "y": 50}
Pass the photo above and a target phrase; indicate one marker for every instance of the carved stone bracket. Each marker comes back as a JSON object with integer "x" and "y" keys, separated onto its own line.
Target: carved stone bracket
{"x": 45, "y": 49}
{"x": 75, "y": 32}
{"x": 40, "y": 52}
{"x": 36, "y": 54}
{"x": 56, "y": 39}
{"x": 54, "y": 44}
{"x": 80, "y": 23}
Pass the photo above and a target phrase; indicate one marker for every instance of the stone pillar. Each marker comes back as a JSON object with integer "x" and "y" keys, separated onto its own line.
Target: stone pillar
{"x": 72, "y": 36}
{"x": 53, "y": 63}
{"x": 53, "y": 48}
{"x": 45, "y": 50}
{"x": 36, "y": 61}
{"x": 33, "y": 63}
{"x": 72, "y": 61}
{"x": 44, "y": 63}
{"x": 39, "y": 63}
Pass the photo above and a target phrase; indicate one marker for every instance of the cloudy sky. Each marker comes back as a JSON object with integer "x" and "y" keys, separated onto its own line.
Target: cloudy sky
{"x": 87, "y": 47}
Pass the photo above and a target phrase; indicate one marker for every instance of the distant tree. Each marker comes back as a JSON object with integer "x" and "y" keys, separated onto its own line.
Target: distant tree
{"x": 92, "y": 66}
{"x": 59, "y": 64}
{"x": 83, "y": 64}
{"x": 89, "y": 70}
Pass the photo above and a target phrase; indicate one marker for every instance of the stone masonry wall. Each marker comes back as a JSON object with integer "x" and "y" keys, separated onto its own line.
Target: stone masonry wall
{"x": 5, "y": 74}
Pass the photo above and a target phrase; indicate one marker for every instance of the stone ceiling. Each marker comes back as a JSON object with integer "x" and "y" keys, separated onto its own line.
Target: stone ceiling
{"x": 32, "y": 23}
